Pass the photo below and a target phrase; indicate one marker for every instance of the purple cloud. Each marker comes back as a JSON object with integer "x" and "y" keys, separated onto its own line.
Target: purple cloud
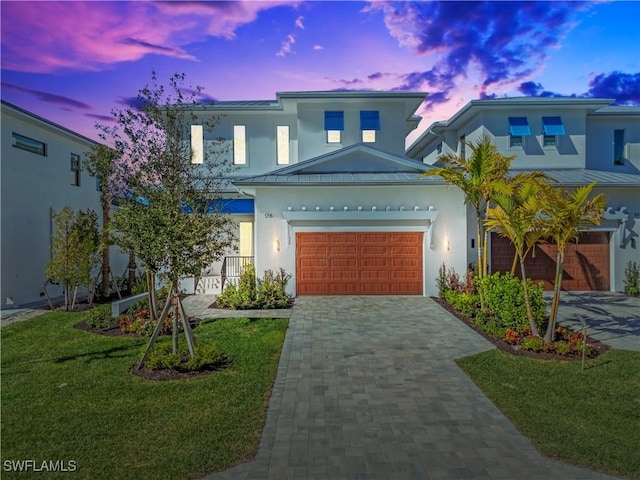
{"x": 624, "y": 87}
{"x": 503, "y": 41}
{"x": 60, "y": 100}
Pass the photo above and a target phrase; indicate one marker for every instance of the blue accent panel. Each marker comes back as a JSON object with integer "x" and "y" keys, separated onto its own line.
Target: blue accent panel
{"x": 369, "y": 120}
{"x": 235, "y": 206}
{"x": 552, "y": 126}
{"x": 519, "y": 127}
{"x": 333, "y": 120}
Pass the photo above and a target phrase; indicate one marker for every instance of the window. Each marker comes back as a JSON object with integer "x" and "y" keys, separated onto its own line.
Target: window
{"x": 334, "y": 125}
{"x": 75, "y": 170}
{"x": 239, "y": 145}
{"x": 518, "y": 129}
{"x": 618, "y": 147}
{"x": 369, "y": 124}
{"x": 552, "y": 127}
{"x": 439, "y": 148}
{"x": 197, "y": 144}
{"x": 282, "y": 134}
{"x": 29, "y": 144}
{"x": 463, "y": 146}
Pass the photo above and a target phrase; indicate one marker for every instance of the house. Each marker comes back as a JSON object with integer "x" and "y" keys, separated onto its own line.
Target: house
{"x": 41, "y": 173}
{"x": 575, "y": 141}
{"x": 331, "y": 196}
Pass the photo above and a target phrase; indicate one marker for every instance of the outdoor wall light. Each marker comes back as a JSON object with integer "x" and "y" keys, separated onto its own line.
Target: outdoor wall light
{"x": 276, "y": 245}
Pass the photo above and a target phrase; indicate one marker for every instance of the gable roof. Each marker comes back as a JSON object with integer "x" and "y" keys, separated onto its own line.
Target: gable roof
{"x": 355, "y": 164}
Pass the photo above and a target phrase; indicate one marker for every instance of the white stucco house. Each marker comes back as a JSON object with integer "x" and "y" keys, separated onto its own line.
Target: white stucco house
{"x": 575, "y": 141}
{"x": 41, "y": 167}
{"x": 325, "y": 188}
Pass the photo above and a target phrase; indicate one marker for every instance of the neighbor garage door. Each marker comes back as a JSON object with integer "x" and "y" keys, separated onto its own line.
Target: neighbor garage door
{"x": 359, "y": 263}
{"x": 586, "y": 264}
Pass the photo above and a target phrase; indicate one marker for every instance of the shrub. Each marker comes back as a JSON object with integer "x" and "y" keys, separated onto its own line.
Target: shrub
{"x": 511, "y": 336}
{"x": 272, "y": 290}
{"x": 100, "y": 317}
{"x": 441, "y": 281}
{"x": 161, "y": 357}
{"x": 465, "y": 303}
{"x": 504, "y": 298}
{"x": 533, "y": 343}
{"x": 268, "y": 292}
{"x": 562, "y": 347}
{"x": 632, "y": 279}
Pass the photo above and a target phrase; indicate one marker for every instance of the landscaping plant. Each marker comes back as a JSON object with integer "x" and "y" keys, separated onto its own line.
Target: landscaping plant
{"x": 632, "y": 279}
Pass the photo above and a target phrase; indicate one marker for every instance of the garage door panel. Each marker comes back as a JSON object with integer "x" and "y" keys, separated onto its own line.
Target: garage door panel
{"x": 362, "y": 263}
{"x": 585, "y": 267}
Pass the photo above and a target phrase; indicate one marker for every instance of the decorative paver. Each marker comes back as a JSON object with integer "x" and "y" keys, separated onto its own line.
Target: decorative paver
{"x": 367, "y": 388}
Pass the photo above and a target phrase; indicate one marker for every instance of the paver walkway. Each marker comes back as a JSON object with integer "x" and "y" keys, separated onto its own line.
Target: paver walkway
{"x": 367, "y": 388}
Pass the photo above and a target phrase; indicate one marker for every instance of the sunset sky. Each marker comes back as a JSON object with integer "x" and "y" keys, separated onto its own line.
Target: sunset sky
{"x": 72, "y": 62}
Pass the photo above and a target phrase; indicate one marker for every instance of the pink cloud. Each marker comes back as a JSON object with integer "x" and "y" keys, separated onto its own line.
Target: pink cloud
{"x": 93, "y": 35}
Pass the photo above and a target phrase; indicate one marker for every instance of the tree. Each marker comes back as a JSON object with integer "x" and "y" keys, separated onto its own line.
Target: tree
{"x": 481, "y": 176}
{"x": 169, "y": 216}
{"x": 74, "y": 255}
{"x": 100, "y": 162}
{"x": 518, "y": 218}
{"x": 567, "y": 213}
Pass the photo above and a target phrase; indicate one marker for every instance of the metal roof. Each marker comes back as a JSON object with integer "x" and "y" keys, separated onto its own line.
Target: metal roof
{"x": 579, "y": 176}
{"x": 377, "y": 178}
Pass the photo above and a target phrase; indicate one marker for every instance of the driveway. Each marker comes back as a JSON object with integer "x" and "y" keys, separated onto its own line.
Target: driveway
{"x": 367, "y": 388}
{"x": 612, "y": 318}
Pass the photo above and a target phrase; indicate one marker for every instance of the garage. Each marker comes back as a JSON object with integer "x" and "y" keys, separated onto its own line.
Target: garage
{"x": 586, "y": 263}
{"x": 359, "y": 263}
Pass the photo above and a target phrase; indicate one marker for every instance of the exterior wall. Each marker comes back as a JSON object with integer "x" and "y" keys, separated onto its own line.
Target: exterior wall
{"x": 33, "y": 186}
{"x": 445, "y": 242}
{"x": 625, "y": 240}
{"x": 599, "y": 155}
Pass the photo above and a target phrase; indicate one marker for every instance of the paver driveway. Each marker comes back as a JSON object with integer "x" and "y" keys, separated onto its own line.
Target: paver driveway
{"x": 367, "y": 388}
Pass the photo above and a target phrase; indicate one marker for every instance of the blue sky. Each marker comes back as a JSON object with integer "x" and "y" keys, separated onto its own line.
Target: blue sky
{"x": 72, "y": 62}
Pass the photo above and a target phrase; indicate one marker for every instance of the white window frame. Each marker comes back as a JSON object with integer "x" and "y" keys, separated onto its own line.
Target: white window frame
{"x": 197, "y": 145}
{"x": 283, "y": 145}
{"x": 240, "y": 145}
{"x": 368, "y": 136}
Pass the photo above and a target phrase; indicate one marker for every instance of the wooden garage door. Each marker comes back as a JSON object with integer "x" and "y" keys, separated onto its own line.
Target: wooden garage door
{"x": 359, "y": 263}
{"x": 586, "y": 263}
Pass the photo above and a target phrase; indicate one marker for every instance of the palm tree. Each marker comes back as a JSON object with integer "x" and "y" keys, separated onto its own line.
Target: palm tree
{"x": 480, "y": 176}
{"x": 517, "y": 217}
{"x": 566, "y": 214}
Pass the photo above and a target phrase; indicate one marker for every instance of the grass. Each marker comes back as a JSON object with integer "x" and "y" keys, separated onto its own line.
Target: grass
{"x": 589, "y": 418}
{"x": 68, "y": 395}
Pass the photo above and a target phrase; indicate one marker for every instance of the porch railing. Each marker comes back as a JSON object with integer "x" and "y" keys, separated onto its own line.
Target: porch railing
{"x": 232, "y": 268}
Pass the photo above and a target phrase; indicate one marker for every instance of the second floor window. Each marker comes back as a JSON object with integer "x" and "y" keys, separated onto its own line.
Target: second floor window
{"x": 239, "y": 145}
{"x": 552, "y": 127}
{"x": 334, "y": 126}
{"x": 75, "y": 170}
{"x": 282, "y": 147}
{"x": 463, "y": 147}
{"x": 618, "y": 147}
{"x": 29, "y": 144}
{"x": 518, "y": 129}
{"x": 197, "y": 144}
{"x": 369, "y": 125}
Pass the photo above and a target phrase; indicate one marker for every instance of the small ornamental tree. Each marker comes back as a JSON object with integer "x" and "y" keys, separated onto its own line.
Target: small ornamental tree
{"x": 100, "y": 162}
{"x": 169, "y": 215}
{"x": 76, "y": 243}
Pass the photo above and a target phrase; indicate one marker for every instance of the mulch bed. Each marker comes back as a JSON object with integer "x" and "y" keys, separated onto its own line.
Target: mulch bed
{"x": 168, "y": 374}
{"x": 113, "y": 330}
{"x": 598, "y": 347}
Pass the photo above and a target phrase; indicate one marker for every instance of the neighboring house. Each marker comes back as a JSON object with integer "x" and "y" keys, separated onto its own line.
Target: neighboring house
{"x": 332, "y": 197}
{"x": 575, "y": 141}
{"x": 41, "y": 173}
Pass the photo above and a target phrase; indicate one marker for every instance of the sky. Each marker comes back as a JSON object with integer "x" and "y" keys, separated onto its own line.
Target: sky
{"x": 73, "y": 62}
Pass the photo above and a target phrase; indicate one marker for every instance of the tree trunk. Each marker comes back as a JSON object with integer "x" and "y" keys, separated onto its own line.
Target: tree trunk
{"x": 131, "y": 269}
{"x": 525, "y": 288}
{"x": 106, "y": 261}
{"x": 549, "y": 335}
{"x": 480, "y": 245}
{"x": 514, "y": 264}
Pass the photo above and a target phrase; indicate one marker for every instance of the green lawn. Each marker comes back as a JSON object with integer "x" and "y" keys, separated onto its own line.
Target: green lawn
{"x": 589, "y": 418}
{"x": 68, "y": 395}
